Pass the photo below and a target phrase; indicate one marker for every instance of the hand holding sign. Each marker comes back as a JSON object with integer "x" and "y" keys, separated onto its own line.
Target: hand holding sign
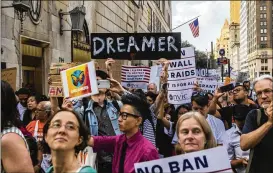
{"x": 164, "y": 72}
{"x": 67, "y": 104}
{"x": 108, "y": 64}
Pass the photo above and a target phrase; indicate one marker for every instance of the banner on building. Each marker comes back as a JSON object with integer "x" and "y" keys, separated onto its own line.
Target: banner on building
{"x": 9, "y": 75}
{"x": 79, "y": 81}
{"x": 135, "y": 77}
{"x": 136, "y": 46}
{"x": 205, "y": 161}
{"x": 181, "y": 77}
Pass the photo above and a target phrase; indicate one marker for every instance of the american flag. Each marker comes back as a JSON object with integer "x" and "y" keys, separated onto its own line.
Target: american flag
{"x": 195, "y": 28}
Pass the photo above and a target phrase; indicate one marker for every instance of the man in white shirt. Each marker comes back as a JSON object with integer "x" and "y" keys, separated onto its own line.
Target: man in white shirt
{"x": 200, "y": 103}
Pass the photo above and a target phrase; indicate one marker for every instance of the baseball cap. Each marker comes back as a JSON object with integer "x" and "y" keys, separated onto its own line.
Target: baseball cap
{"x": 240, "y": 111}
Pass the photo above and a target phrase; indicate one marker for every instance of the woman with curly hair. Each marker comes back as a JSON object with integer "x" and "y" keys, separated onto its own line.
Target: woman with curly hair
{"x": 65, "y": 134}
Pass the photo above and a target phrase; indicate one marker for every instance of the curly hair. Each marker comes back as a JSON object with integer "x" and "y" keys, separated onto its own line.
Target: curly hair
{"x": 83, "y": 132}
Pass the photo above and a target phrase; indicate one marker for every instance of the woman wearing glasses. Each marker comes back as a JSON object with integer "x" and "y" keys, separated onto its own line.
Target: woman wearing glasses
{"x": 131, "y": 147}
{"x": 65, "y": 134}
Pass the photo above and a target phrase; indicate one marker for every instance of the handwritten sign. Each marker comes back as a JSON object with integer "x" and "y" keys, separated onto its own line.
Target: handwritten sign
{"x": 136, "y": 46}
{"x": 9, "y": 75}
{"x": 135, "y": 77}
{"x": 79, "y": 81}
{"x": 205, "y": 161}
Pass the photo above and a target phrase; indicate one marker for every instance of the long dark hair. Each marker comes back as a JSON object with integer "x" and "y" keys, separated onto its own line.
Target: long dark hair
{"x": 9, "y": 112}
{"x": 83, "y": 132}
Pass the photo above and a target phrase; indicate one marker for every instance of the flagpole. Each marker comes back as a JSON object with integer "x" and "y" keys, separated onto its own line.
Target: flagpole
{"x": 185, "y": 23}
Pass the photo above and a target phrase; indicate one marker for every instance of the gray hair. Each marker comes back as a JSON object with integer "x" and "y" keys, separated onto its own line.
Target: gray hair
{"x": 152, "y": 84}
{"x": 46, "y": 105}
{"x": 263, "y": 77}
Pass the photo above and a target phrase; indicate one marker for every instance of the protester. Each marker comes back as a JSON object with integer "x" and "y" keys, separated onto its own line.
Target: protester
{"x": 23, "y": 95}
{"x": 151, "y": 97}
{"x": 237, "y": 157}
{"x": 29, "y": 114}
{"x": 239, "y": 96}
{"x": 35, "y": 127}
{"x": 194, "y": 133}
{"x": 101, "y": 117}
{"x": 130, "y": 147}
{"x": 152, "y": 88}
{"x": 65, "y": 134}
{"x": 258, "y": 132}
{"x": 14, "y": 148}
{"x": 251, "y": 94}
{"x": 200, "y": 103}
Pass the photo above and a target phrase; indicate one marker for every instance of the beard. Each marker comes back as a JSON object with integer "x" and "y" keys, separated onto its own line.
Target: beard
{"x": 239, "y": 100}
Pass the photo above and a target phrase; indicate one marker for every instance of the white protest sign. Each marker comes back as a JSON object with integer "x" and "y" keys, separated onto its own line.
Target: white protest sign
{"x": 135, "y": 77}
{"x": 205, "y": 161}
{"x": 187, "y": 52}
{"x": 208, "y": 84}
{"x": 182, "y": 75}
{"x": 155, "y": 74}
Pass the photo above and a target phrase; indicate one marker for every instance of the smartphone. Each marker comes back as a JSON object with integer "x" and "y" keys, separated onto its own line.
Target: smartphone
{"x": 103, "y": 84}
{"x": 227, "y": 88}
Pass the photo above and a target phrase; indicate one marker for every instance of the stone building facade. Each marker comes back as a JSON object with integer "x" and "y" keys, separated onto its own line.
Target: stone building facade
{"x": 40, "y": 42}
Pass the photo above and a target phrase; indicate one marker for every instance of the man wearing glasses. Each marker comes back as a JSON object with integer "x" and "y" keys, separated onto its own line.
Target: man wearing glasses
{"x": 240, "y": 97}
{"x": 258, "y": 132}
{"x": 130, "y": 147}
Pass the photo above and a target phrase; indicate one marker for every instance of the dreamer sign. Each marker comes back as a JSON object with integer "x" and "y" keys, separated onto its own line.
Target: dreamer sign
{"x": 136, "y": 46}
{"x": 210, "y": 160}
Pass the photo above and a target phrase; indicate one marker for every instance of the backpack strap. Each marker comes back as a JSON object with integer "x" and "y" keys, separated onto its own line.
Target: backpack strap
{"x": 259, "y": 115}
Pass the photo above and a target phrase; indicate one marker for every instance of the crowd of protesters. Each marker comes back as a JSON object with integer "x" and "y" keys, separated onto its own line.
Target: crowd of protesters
{"x": 127, "y": 126}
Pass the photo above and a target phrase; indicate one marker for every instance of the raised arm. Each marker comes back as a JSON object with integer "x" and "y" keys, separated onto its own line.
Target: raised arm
{"x": 106, "y": 143}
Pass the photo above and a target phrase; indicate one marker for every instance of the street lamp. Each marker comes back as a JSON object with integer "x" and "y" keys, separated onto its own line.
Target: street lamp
{"x": 77, "y": 16}
{"x": 21, "y": 7}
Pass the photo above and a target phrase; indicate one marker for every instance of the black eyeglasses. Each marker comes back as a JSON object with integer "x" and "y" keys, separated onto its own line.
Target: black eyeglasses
{"x": 124, "y": 115}
{"x": 199, "y": 93}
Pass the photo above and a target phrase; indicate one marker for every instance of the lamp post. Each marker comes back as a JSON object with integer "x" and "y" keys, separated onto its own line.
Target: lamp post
{"x": 21, "y": 7}
{"x": 77, "y": 16}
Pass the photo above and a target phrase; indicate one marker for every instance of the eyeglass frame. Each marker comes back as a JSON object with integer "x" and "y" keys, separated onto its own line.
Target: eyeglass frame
{"x": 235, "y": 91}
{"x": 65, "y": 125}
{"x": 122, "y": 116}
{"x": 266, "y": 92}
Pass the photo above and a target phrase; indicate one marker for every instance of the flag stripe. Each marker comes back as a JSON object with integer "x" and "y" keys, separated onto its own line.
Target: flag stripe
{"x": 194, "y": 26}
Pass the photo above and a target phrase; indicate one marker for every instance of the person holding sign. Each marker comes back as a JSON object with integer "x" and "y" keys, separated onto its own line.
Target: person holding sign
{"x": 130, "y": 147}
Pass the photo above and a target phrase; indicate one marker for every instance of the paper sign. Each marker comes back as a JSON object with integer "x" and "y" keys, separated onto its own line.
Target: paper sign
{"x": 182, "y": 75}
{"x": 205, "y": 161}
{"x": 9, "y": 75}
{"x": 155, "y": 74}
{"x": 135, "y": 77}
{"x": 80, "y": 81}
{"x": 187, "y": 52}
{"x": 208, "y": 84}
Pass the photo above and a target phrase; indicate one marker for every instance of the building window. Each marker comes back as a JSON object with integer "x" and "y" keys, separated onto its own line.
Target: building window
{"x": 265, "y": 38}
{"x": 264, "y": 8}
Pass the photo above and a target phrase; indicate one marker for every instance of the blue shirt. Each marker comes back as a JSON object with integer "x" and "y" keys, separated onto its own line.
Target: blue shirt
{"x": 233, "y": 146}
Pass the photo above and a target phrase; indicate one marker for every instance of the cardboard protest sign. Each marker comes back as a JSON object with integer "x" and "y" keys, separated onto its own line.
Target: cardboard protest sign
{"x": 9, "y": 75}
{"x": 80, "y": 81}
{"x": 56, "y": 88}
{"x": 205, "y": 161}
{"x": 182, "y": 75}
{"x": 135, "y": 77}
{"x": 136, "y": 46}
